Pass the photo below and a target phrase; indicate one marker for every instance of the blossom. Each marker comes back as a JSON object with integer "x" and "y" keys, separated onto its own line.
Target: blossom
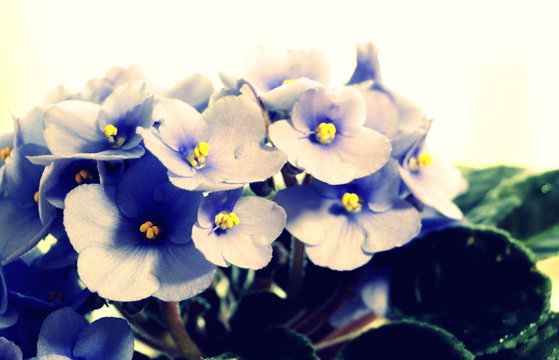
{"x": 368, "y": 67}
{"x": 83, "y": 130}
{"x": 221, "y": 149}
{"x": 343, "y": 226}
{"x": 134, "y": 239}
{"x": 432, "y": 180}
{"x": 279, "y": 77}
{"x": 66, "y": 334}
{"x": 326, "y": 137}
{"x": 237, "y": 230}
{"x": 19, "y": 200}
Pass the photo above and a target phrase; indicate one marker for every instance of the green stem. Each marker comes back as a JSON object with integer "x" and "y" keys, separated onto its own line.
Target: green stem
{"x": 347, "y": 332}
{"x": 171, "y": 314}
{"x": 297, "y": 270}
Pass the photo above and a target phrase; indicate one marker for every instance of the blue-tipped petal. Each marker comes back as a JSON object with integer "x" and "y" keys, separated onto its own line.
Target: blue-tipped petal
{"x": 183, "y": 272}
{"x": 9, "y": 350}
{"x": 285, "y": 96}
{"x": 368, "y": 67}
{"x": 105, "y": 339}
{"x": 59, "y": 333}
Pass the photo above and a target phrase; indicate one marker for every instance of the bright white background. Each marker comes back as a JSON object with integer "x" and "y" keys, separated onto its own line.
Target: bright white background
{"x": 486, "y": 70}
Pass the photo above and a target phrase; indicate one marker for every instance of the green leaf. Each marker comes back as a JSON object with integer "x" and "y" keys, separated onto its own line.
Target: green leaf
{"x": 272, "y": 344}
{"x": 403, "y": 341}
{"x": 481, "y": 181}
{"x": 542, "y": 343}
{"x": 476, "y": 283}
{"x": 527, "y": 207}
{"x": 226, "y": 356}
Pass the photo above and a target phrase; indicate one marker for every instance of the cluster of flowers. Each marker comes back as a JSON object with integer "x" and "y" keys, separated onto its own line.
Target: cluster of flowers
{"x": 148, "y": 188}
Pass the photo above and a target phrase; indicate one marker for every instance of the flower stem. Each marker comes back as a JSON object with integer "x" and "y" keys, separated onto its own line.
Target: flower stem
{"x": 348, "y": 331}
{"x": 297, "y": 270}
{"x": 171, "y": 314}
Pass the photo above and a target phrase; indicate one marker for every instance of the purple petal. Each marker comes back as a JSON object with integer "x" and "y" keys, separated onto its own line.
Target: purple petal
{"x": 105, "y": 339}
{"x": 284, "y": 97}
{"x": 59, "y": 333}
{"x": 382, "y": 113}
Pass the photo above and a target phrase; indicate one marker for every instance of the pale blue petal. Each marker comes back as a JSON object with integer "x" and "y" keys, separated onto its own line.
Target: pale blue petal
{"x": 130, "y": 104}
{"x": 194, "y": 90}
{"x": 105, "y": 155}
{"x": 389, "y": 229}
{"x": 59, "y": 333}
{"x": 308, "y": 214}
{"x": 248, "y": 244}
{"x": 341, "y": 247}
{"x": 183, "y": 272}
{"x": 344, "y": 107}
{"x": 71, "y": 128}
{"x": 9, "y": 350}
{"x": 119, "y": 273}
{"x": 92, "y": 217}
{"x": 182, "y": 126}
{"x": 382, "y": 113}
{"x": 105, "y": 339}
{"x": 285, "y": 96}
{"x": 172, "y": 159}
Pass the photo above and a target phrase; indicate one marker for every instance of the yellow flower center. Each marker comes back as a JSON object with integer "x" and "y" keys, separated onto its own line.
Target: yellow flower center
{"x": 198, "y": 157}
{"x": 150, "y": 230}
{"x": 416, "y": 163}
{"x": 111, "y": 133}
{"x": 351, "y": 202}
{"x": 5, "y": 152}
{"x": 36, "y": 197}
{"x": 82, "y": 176}
{"x": 225, "y": 220}
{"x": 325, "y": 133}
{"x": 287, "y": 81}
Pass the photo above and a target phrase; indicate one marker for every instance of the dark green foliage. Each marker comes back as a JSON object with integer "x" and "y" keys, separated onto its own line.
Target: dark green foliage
{"x": 272, "y": 344}
{"x": 542, "y": 343}
{"x": 526, "y": 206}
{"x": 403, "y": 341}
{"x": 481, "y": 181}
{"x": 258, "y": 310}
{"x": 476, "y": 283}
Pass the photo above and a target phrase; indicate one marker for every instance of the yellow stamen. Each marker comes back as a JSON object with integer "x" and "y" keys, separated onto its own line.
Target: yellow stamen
{"x": 82, "y": 176}
{"x": 420, "y": 161}
{"x": 225, "y": 220}
{"x": 150, "y": 230}
{"x": 111, "y": 133}
{"x": 325, "y": 133}
{"x": 351, "y": 202}
{"x": 199, "y": 154}
{"x": 287, "y": 81}
{"x": 5, "y": 152}
{"x": 36, "y": 197}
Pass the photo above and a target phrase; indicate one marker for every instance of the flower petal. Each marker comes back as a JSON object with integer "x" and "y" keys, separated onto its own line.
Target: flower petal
{"x": 59, "y": 333}
{"x": 194, "y": 90}
{"x": 391, "y": 228}
{"x": 105, "y": 339}
{"x": 119, "y": 273}
{"x": 183, "y": 272}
